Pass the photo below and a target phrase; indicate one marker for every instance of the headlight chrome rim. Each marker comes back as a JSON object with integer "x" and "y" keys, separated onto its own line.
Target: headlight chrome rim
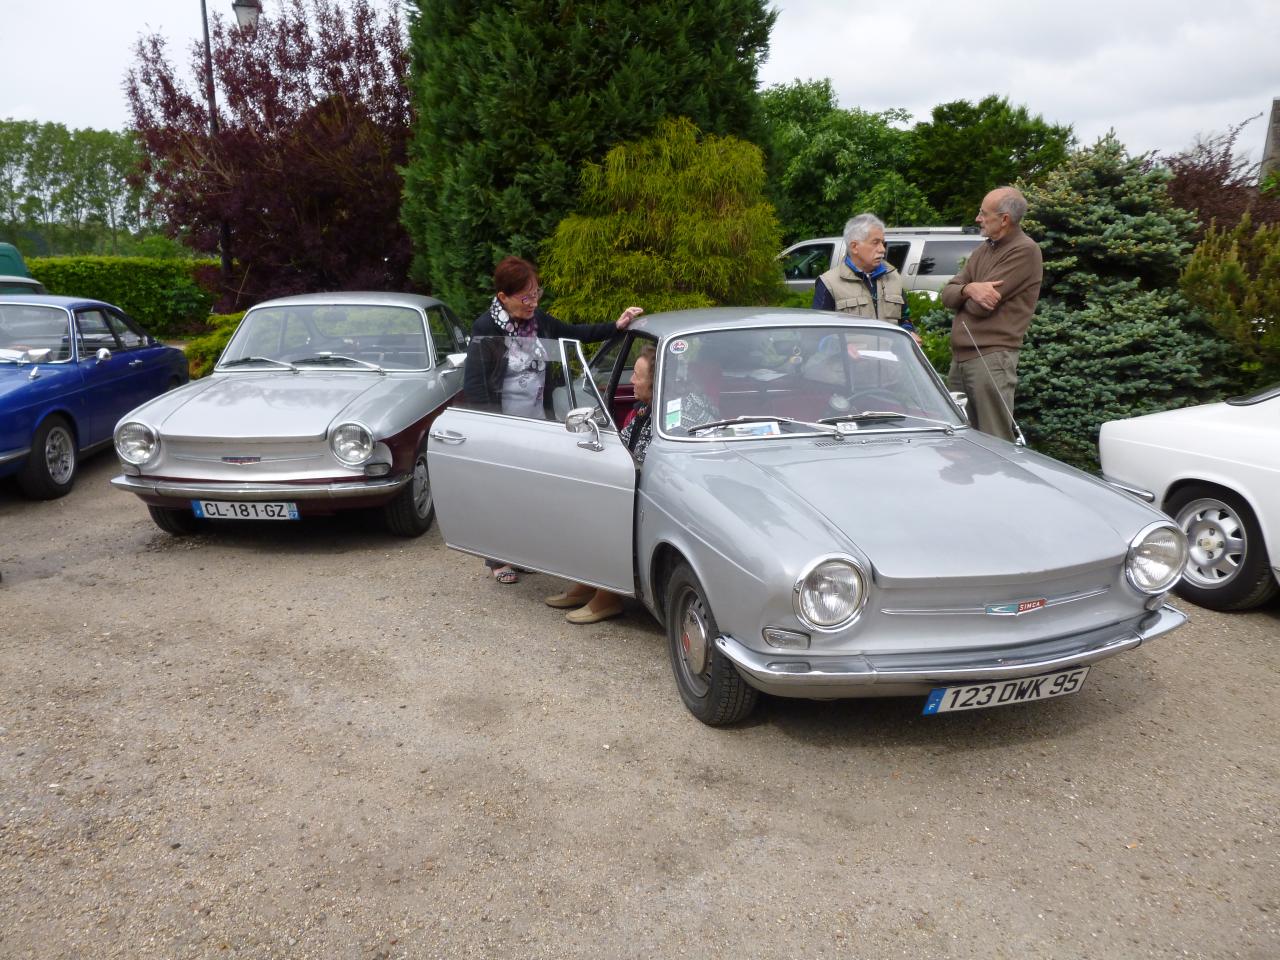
{"x": 1134, "y": 556}
{"x": 128, "y": 443}
{"x": 340, "y": 440}
{"x": 798, "y": 593}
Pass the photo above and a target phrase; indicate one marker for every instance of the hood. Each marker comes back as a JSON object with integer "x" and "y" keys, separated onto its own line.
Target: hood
{"x": 945, "y": 507}
{"x": 17, "y": 387}
{"x": 274, "y": 405}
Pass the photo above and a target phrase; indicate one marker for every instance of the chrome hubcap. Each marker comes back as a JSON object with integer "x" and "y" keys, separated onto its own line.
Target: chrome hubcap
{"x": 421, "y": 487}
{"x": 59, "y": 455}
{"x": 1216, "y": 538}
{"x": 694, "y": 647}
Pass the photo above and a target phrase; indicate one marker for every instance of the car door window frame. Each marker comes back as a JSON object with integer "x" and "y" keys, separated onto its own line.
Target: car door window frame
{"x": 114, "y": 346}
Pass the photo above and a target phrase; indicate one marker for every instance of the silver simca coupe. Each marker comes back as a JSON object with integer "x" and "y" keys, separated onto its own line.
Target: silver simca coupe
{"x": 319, "y": 403}
{"x": 812, "y": 517}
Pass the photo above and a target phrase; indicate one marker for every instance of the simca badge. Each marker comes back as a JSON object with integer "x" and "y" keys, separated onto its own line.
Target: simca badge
{"x": 239, "y": 461}
{"x": 1015, "y": 609}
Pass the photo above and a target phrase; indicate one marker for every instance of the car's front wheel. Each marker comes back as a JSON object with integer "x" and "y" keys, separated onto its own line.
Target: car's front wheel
{"x": 709, "y": 683}
{"x": 411, "y": 512}
{"x": 1227, "y": 566}
{"x": 50, "y": 469}
{"x": 180, "y": 523}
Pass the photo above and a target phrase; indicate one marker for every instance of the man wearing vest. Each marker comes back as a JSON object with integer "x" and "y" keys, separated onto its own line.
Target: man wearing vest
{"x": 863, "y": 284}
{"x": 994, "y": 296}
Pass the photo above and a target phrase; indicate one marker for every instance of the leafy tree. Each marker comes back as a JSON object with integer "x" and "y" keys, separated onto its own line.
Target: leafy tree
{"x": 967, "y": 148}
{"x": 1234, "y": 278}
{"x": 513, "y": 96}
{"x": 1218, "y": 184}
{"x": 314, "y": 123}
{"x": 668, "y": 222}
{"x": 826, "y": 164}
{"x": 1112, "y": 336}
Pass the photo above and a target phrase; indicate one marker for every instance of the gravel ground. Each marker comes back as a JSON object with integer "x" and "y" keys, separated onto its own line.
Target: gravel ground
{"x": 317, "y": 740}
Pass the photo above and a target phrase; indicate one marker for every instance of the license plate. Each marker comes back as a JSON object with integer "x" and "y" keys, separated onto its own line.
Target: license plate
{"x": 999, "y": 693}
{"x": 242, "y": 510}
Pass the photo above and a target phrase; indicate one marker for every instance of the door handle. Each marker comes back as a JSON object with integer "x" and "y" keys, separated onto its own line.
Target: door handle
{"x": 447, "y": 436}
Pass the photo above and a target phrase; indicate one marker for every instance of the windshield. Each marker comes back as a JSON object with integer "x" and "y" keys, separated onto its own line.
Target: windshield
{"x": 798, "y": 377}
{"x": 26, "y": 330}
{"x": 330, "y": 336}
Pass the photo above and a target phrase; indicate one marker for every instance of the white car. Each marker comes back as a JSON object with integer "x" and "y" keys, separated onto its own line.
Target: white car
{"x": 1216, "y": 470}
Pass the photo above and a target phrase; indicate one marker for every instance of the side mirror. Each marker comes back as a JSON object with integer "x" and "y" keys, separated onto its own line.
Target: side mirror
{"x": 962, "y": 401}
{"x": 455, "y": 361}
{"x": 103, "y": 354}
{"x": 583, "y": 420}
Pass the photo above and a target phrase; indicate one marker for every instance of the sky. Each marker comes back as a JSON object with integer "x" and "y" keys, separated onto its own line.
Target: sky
{"x": 1158, "y": 72}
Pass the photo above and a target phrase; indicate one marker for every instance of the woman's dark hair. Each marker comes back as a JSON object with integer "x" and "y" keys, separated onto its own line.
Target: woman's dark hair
{"x": 513, "y": 274}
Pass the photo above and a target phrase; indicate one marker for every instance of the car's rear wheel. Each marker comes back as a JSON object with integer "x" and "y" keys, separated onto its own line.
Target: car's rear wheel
{"x": 411, "y": 512}
{"x": 1227, "y": 566}
{"x": 50, "y": 469}
{"x": 180, "y": 523}
{"x": 709, "y": 683}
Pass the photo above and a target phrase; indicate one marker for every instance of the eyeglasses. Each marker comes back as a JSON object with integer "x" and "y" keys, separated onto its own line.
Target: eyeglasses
{"x": 989, "y": 214}
{"x": 532, "y": 297}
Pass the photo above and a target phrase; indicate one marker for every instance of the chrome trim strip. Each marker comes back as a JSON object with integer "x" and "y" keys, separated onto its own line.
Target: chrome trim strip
{"x": 190, "y": 458}
{"x": 197, "y": 490}
{"x": 965, "y": 611}
{"x": 1144, "y": 495}
{"x": 796, "y": 672}
{"x": 14, "y": 455}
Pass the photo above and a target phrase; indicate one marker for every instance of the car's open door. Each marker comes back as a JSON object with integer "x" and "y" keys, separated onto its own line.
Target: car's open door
{"x": 516, "y": 478}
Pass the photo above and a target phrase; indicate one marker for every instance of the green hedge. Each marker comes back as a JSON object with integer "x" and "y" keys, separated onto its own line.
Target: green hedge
{"x": 203, "y": 352}
{"x": 165, "y": 296}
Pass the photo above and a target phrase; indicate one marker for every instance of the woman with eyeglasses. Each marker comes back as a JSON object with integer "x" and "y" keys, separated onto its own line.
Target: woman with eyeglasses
{"x": 506, "y": 363}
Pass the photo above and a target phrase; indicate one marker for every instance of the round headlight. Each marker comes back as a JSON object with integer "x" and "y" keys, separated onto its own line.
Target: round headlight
{"x": 831, "y": 594}
{"x": 136, "y": 443}
{"x": 1156, "y": 558}
{"x": 352, "y": 443}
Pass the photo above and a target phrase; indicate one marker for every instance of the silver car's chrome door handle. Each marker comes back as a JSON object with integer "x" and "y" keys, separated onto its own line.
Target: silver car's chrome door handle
{"x": 448, "y": 436}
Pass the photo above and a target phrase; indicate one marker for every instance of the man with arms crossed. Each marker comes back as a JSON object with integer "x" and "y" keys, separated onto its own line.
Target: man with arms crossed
{"x": 994, "y": 296}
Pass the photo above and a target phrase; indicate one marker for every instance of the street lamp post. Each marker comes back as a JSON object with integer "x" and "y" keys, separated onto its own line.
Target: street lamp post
{"x": 246, "y": 12}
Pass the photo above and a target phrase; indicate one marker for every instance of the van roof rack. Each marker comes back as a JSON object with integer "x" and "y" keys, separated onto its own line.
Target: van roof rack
{"x": 969, "y": 228}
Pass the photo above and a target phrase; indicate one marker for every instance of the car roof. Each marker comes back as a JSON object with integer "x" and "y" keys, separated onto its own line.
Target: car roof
{"x": 381, "y": 298}
{"x": 51, "y": 300}
{"x": 11, "y": 277}
{"x": 663, "y": 325}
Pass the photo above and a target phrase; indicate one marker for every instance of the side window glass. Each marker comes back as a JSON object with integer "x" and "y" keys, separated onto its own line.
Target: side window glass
{"x": 945, "y": 257}
{"x": 605, "y": 362}
{"x": 130, "y": 337}
{"x": 896, "y": 253}
{"x": 807, "y": 262}
{"x": 518, "y": 377}
{"x": 442, "y": 333}
{"x": 93, "y": 333}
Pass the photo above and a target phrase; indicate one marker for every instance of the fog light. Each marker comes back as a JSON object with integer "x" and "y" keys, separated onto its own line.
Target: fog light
{"x": 786, "y": 639}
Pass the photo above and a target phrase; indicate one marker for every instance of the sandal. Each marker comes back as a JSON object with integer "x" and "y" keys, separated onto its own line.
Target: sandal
{"x": 505, "y": 575}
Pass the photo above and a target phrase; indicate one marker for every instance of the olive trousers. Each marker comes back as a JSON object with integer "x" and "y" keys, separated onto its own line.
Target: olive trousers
{"x": 989, "y": 382}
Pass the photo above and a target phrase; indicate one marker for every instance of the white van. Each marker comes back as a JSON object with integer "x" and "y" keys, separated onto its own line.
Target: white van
{"x": 927, "y": 257}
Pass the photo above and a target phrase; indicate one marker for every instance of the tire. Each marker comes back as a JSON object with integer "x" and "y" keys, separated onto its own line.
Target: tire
{"x": 411, "y": 512}
{"x": 180, "y": 523}
{"x": 1227, "y": 568}
{"x": 50, "y": 469}
{"x": 709, "y": 683}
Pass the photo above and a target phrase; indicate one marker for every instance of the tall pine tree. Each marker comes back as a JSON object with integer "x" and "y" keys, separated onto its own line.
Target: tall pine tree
{"x": 513, "y": 96}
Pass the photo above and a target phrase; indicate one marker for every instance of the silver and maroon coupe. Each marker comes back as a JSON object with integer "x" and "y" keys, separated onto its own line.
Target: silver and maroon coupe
{"x": 812, "y": 517}
{"x": 318, "y": 403}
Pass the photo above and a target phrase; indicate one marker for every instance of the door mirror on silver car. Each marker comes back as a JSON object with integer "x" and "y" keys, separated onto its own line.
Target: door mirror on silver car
{"x": 962, "y": 401}
{"x": 582, "y": 420}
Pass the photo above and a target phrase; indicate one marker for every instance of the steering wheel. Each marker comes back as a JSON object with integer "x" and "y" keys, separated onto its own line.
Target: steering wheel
{"x": 874, "y": 398}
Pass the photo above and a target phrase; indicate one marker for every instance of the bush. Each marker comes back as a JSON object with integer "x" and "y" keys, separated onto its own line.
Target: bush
{"x": 203, "y": 352}
{"x": 163, "y": 295}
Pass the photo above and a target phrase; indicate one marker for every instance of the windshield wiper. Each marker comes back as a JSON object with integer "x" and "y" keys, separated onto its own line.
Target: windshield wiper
{"x": 240, "y": 360}
{"x": 331, "y": 357}
{"x": 756, "y": 418}
{"x": 865, "y": 415}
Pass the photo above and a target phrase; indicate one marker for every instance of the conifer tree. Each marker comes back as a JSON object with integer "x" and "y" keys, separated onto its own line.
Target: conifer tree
{"x": 513, "y": 96}
{"x": 669, "y": 222}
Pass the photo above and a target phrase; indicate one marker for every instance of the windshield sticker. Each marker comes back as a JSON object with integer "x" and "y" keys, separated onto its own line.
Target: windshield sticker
{"x": 679, "y": 346}
{"x": 756, "y": 429}
{"x": 672, "y": 417}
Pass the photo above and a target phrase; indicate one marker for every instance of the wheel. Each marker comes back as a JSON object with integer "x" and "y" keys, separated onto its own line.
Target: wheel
{"x": 51, "y": 466}
{"x": 178, "y": 522}
{"x": 1227, "y": 568}
{"x": 709, "y": 683}
{"x": 411, "y": 512}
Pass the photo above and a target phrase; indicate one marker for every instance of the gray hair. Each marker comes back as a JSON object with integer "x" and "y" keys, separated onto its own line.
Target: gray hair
{"x": 861, "y": 225}
{"x": 1011, "y": 202}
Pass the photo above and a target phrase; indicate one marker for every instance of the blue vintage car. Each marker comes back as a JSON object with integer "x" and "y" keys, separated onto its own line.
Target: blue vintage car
{"x": 69, "y": 369}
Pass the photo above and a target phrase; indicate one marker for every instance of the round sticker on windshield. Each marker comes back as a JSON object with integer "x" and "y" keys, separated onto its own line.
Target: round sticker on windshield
{"x": 679, "y": 346}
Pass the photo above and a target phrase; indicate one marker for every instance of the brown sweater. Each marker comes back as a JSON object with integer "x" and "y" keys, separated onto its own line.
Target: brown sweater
{"x": 1016, "y": 260}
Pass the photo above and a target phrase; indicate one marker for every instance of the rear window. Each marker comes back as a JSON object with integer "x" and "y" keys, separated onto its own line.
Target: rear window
{"x": 946, "y": 257}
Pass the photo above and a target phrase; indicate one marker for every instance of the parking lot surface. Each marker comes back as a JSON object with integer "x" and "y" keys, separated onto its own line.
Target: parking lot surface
{"x": 317, "y": 740}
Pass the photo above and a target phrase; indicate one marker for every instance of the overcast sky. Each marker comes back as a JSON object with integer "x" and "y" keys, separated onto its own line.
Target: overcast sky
{"x": 1158, "y": 71}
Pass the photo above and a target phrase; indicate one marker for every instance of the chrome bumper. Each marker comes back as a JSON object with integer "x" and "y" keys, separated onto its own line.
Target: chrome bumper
{"x": 907, "y": 674}
{"x": 197, "y": 490}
